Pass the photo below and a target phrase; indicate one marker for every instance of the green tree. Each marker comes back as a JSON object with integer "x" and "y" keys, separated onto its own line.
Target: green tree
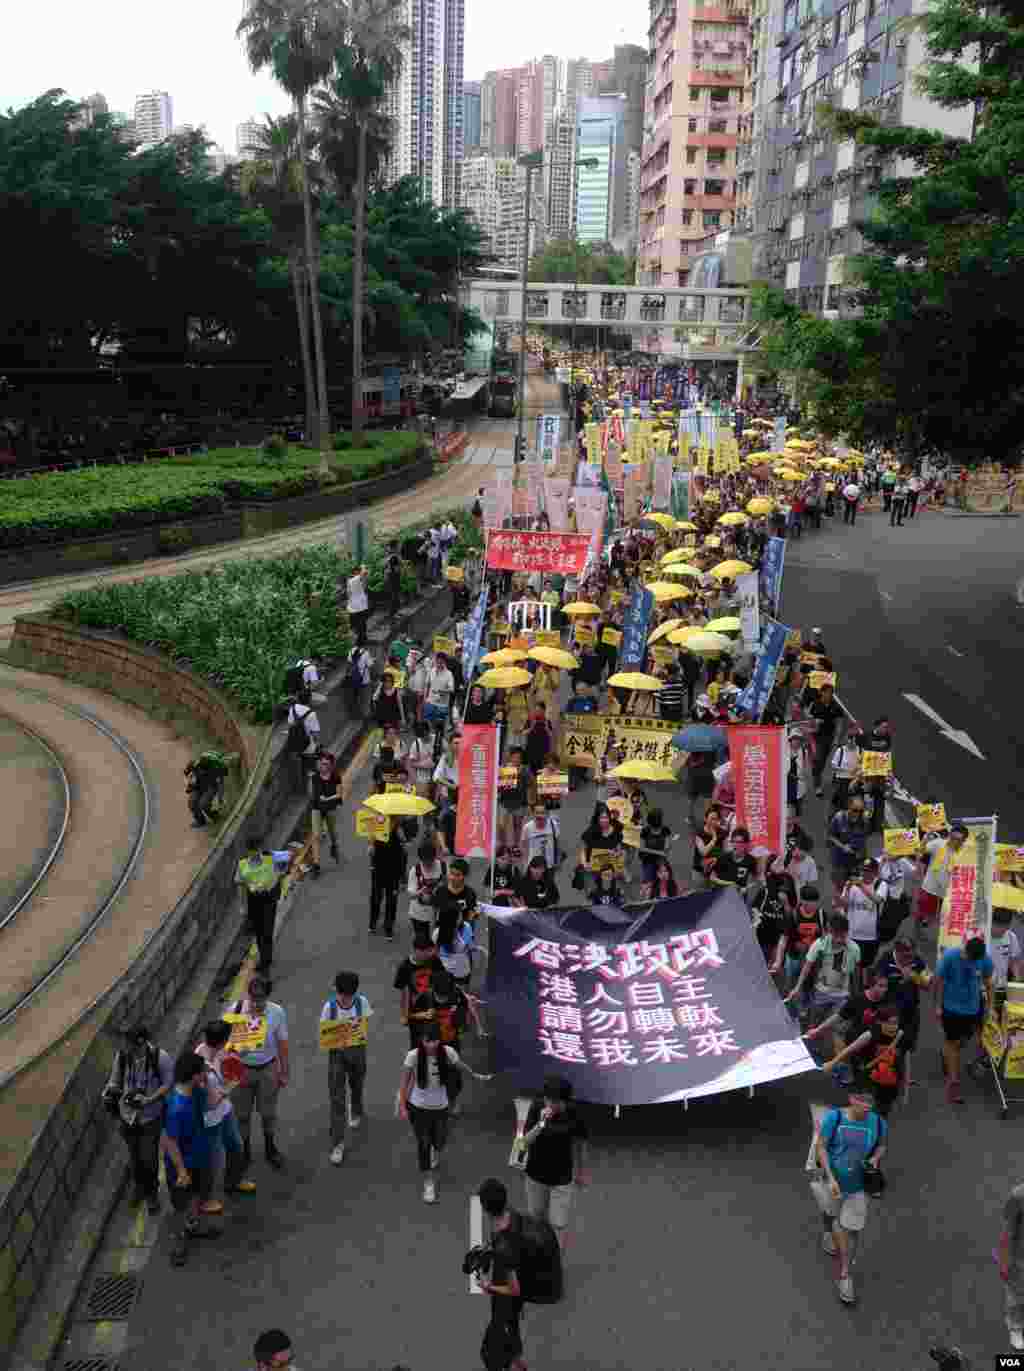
{"x": 297, "y": 40}
{"x": 597, "y": 264}
{"x": 273, "y": 180}
{"x": 349, "y": 111}
{"x": 934, "y": 356}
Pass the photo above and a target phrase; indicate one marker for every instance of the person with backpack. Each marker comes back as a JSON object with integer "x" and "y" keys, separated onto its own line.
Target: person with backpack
{"x": 556, "y": 1161}
{"x": 426, "y": 1090}
{"x": 525, "y": 1267}
{"x": 357, "y": 677}
{"x": 303, "y": 738}
{"x": 140, "y": 1080}
{"x": 425, "y": 875}
{"x": 260, "y": 879}
{"x": 540, "y": 835}
{"x": 304, "y": 675}
{"x": 358, "y": 604}
{"x": 327, "y": 794}
{"x": 346, "y": 1065}
{"x": 831, "y": 970}
{"x": 848, "y": 1147}
{"x": 205, "y": 776}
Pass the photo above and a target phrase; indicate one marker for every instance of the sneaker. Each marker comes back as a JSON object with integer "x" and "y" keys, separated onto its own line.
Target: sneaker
{"x": 429, "y": 1192}
{"x": 433, "y": 1159}
{"x": 1017, "y": 1339}
{"x": 845, "y": 1288}
{"x": 828, "y": 1244}
{"x": 315, "y": 868}
{"x": 243, "y": 1188}
{"x": 355, "y": 1120}
{"x": 338, "y": 1154}
{"x": 335, "y": 853}
{"x": 211, "y": 1207}
{"x": 819, "y": 792}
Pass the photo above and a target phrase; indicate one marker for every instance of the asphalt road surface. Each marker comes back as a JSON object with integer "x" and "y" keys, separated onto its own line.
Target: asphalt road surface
{"x": 697, "y": 1246}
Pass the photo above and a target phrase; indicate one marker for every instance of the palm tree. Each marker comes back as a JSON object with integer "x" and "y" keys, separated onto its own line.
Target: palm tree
{"x": 273, "y": 180}
{"x": 297, "y": 40}
{"x": 364, "y": 68}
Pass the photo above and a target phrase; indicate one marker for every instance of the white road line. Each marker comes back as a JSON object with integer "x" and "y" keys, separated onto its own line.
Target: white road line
{"x": 476, "y": 1235}
{"x": 1020, "y": 591}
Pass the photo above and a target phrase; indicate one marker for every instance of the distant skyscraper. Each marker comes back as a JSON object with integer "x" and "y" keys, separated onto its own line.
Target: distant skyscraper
{"x": 471, "y": 114}
{"x": 91, "y": 107}
{"x": 601, "y": 190}
{"x": 248, "y": 138}
{"x": 494, "y": 192}
{"x": 153, "y": 118}
{"x": 498, "y": 98}
{"x": 426, "y": 102}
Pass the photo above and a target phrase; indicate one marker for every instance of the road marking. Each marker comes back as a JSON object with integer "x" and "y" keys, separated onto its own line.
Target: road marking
{"x": 1020, "y": 591}
{"x": 955, "y": 735}
{"x": 476, "y": 1235}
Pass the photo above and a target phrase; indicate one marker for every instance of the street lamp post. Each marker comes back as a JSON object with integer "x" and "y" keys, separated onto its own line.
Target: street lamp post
{"x": 532, "y": 161}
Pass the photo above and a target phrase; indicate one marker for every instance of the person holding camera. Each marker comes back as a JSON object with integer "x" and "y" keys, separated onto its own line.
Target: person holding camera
{"x": 849, "y": 1146}
{"x": 140, "y": 1080}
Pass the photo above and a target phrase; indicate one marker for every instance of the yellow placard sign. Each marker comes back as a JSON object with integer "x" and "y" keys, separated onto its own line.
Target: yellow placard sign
{"x": 1013, "y": 1067}
{"x": 582, "y": 739}
{"x": 621, "y": 807}
{"x": 794, "y": 638}
{"x": 371, "y": 825}
{"x": 618, "y": 597}
{"x": 930, "y": 818}
{"x": 398, "y": 788}
{"x": 446, "y": 645}
{"x": 397, "y": 676}
{"x": 1009, "y": 857}
{"x": 501, "y": 627}
{"x": 552, "y": 782}
{"x": 248, "y": 1031}
{"x": 993, "y": 1039}
{"x": 641, "y": 739}
{"x": 876, "y": 763}
{"x": 600, "y": 859}
{"x": 817, "y": 679}
{"x": 901, "y": 842}
{"x": 508, "y": 777}
{"x": 338, "y": 1033}
{"x": 664, "y": 656}
{"x": 455, "y": 573}
{"x": 631, "y": 835}
{"x": 811, "y": 659}
{"x": 611, "y": 636}
{"x": 585, "y": 635}
{"x": 547, "y": 637}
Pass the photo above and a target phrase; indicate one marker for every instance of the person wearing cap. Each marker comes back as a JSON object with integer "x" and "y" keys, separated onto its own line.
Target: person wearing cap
{"x": 962, "y": 988}
{"x": 268, "y": 1069}
{"x": 939, "y": 854}
{"x": 556, "y": 1161}
{"x": 259, "y": 877}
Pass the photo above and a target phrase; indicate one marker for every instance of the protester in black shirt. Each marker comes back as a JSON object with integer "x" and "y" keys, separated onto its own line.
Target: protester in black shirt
{"x": 709, "y": 842}
{"x": 452, "y": 901}
{"x": 502, "y": 1347}
{"x": 479, "y": 710}
{"x": 655, "y": 837}
{"x": 607, "y": 890}
{"x": 537, "y": 889}
{"x": 854, "y": 1016}
{"x": 775, "y": 912}
{"x": 738, "y": 866}
{"x": 414, "y": 978}
{"x": 557, "y": 1138}
{"x": 828, "y": 715}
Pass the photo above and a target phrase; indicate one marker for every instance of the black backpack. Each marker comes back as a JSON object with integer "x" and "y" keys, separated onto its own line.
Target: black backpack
{"x": 293, "y": 681}
{"x": 298, "y": 738}
{"x": 540, "y": 1265}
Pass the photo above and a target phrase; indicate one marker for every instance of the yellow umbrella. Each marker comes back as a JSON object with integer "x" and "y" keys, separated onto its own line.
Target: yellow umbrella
{"x": 707, "y": 644}
{"x": 504, "y": 678}
{"x": 733, "y": 519}
{"x": 830, "y": 462}
{"x": 398, "y": 803}
{"x": 682, "y": 636}
{"x": 732, "y": 567}
{"x": 678, "y": 554}
{"x": 663, "y": 630}
{"x": 1007, "y": 896}
{"x": 663, "y": 520}
{"x": 760, "y": 504}
{"x": 727, "y": 624}
{"x": 711, "y": 497}
{"x": 504, "y": 656}
{"x": 712, "y": 540}
{"x": 634, "y": 680}
{"x": 683, "y": 527}
{"x": 682, "y": 569}
{"x": 581, "y": 607}
{"x": 789, "y": 475}
{"x": 760, "y": 456}
{"x": 799, "y": 443}
{"x": 554, "y": 656}
{"x": 644, "y": 771}
{"x": 664, "y": 591}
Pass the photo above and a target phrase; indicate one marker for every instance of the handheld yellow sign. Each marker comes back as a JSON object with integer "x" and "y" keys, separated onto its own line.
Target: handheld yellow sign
{"x": 901, "y": 842}
{"x": 930, "y": 818}
{"x": 446, "y": 645}
{"x": 553, "y": 783}
{"x": 338, "y": 1033}
{"x": 876, "y": 763}
{"x": 819, "y": 678}
{"x": 248, "y": 1031}
{"x": 599, "y": 860}
{"x": 373, "y": 826}
{"x": 455, "y": 574}
{"x": 584, "y": 635}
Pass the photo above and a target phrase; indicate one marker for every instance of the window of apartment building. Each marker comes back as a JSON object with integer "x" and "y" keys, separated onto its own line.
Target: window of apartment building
{"x": 718, "y": 125}
{"x": 716, "y": 159}
{"x": 613, "y": 306}
{"x": 695, "y": 95}
{"x": 691, "y": 156}
{"x": 689, "y": 187}
{"x": 730, "y": 309}
{"x": 714, "y": 188}
{"x": 500, "y": 298}
{"x": 692, "y": 125}
{"x": 719, "y": 95}
{"x": 712, "y": 218}
{"x": 687, "y": 216}
{"x": 652, "y": 308}
{"x": 691, "y": 309}
{"x": 832, "y": 297}
{"x": 574, "y": 306}
{"x": 537, "y": 304}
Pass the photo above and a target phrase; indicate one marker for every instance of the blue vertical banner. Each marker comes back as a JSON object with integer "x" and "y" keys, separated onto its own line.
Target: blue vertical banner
{"x": 473, "y": 635}
{"x": 391, "y": 390}
{"x": 772, "y": 563}
{"x": 779, "y": 433}
{"x": 755, "y": 697}
{"x": 633, "y": 649}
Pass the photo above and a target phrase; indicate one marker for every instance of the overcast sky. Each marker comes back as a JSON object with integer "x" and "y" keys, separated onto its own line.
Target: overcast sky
{"x": 187, "y": 47}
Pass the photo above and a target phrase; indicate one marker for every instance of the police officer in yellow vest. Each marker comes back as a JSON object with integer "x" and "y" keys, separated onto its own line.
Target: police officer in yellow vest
{"x": 261, "y": 881}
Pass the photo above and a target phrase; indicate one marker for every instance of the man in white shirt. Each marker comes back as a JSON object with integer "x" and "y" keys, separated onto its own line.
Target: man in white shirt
{"x": 936, "y": 879}
{"x": 306, "y": 715}
{"x": 851, "y": 498}
{"x": 350, "y": 1010}
{"x": 914, "y": 487}
{"x": 1005, "y": 950}
{"x": 539, "y": 837}
{"x": 358, "y": 604}
{"x": 440, "y": 686}
{"x": 448, "y": 535}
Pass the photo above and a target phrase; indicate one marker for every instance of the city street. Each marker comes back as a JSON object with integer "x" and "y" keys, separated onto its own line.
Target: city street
{"x": 698, "y": 1244}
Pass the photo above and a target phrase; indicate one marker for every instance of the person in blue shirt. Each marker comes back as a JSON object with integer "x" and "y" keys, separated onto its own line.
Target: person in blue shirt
{"x": 848, "y": 1142}
{"x": 963, "y": 990}
{"x": 185, "y": 1146}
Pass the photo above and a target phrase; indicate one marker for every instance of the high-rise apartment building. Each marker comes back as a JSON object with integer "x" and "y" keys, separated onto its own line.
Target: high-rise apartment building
{"x": 249, "y": 138}
{"x": 153, "y": 116}
{"x": 426, "y": 102}
{"x": 806, "y": 189}
{"x": 89, "y": 111}
{"x": 494, "y": 192}
{"x": 471, "y": 115}
{"x": 498, "y": 99}
{"x": 695, "y": 112}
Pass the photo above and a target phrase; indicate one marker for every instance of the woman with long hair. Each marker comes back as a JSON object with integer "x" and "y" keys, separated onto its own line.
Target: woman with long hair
{"x": 430, "y": 1083}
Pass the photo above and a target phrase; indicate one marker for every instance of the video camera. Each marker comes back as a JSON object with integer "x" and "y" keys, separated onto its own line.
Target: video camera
{"x": 478, "y": 1260}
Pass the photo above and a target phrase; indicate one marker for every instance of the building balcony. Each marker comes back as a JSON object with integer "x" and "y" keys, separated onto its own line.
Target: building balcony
{"x": 708, "y": 201}
{"x": 708, "y": 76}
{"x": 712, "y": 140}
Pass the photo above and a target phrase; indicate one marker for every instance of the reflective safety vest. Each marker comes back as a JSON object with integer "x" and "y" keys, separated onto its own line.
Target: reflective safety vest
{"x": 258, "y": 876}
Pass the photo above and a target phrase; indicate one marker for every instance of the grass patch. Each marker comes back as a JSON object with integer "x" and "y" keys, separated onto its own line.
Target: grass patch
{"x": 60, "y": 506}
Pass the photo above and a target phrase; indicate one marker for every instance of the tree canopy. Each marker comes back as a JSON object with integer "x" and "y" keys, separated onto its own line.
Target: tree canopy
{"x": 153, "y": 252}
{"x": 595, "y": 264}
{"x": 933, "y": 356}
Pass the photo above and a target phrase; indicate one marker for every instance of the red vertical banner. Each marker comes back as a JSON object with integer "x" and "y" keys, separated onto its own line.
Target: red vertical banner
{"x": 478, "y": 776}
{"x": 760, "y": 759}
